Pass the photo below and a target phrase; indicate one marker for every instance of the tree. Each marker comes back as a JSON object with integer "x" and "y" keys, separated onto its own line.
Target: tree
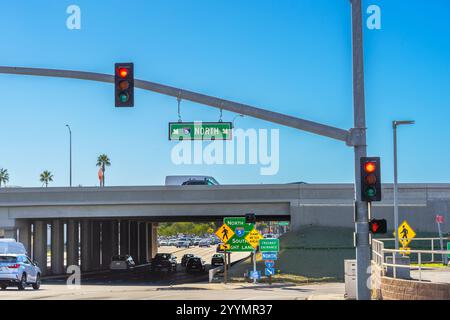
{"x": 46, "y": 177}
{"x": 103, "y": 162}
{"x": 4, "y": 176}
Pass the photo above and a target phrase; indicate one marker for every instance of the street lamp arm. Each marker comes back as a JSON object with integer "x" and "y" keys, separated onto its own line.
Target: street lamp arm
{"x": 282, "y": 119}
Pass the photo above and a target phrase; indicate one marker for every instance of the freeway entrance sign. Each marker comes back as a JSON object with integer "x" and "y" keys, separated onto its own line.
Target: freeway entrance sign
{"x": 270, "y": 272}
{"x": 269, "y": 263}
{"x": 448, "y": 248}
{"x": 200, "y": 131}
{"x": 269, "y": 245}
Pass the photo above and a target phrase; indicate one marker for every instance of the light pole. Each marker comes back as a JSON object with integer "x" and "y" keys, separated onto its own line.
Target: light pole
{"x": 234, "y": 119}
{"x": 395, "y": 124}
{"x": 70, "y": 156}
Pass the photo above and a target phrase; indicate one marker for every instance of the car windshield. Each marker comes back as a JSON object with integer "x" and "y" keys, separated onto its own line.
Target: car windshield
{"x": 162, "y": 256}
{"x": 8, "y": 259}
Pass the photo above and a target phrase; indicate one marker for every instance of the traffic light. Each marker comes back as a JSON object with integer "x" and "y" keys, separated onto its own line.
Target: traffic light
{"x": 124, "y": 84}
{"x": 370, "y": 179}
{"x": 250, "y": 218}
{"x": 378, "y": 226}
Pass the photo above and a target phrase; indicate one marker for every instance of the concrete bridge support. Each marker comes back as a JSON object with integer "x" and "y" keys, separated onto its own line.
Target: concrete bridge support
{"x": 86, "y": 245}
{"x": 24, "y": 237}
{"x": 110, "y": 235}
{"x": 96, "y": 243}
{"x": 124, "y": 237}
{"x": 134, "y": 240}
{"x": 72, "y": 242}
{"x": 40, "y": 245}
{"x": 57, "y": 247}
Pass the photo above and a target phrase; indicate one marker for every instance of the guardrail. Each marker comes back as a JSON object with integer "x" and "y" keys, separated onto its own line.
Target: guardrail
{"x": 379, "y": 253}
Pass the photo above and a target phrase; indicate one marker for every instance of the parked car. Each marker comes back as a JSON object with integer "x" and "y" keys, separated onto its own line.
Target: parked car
{"x": 163, "y": 243}
{"x": 196, "y": 264}
{"x": 183, "y": 244}
{"x": 185, "y": 259}
{"x": 122, "y": 262}
{"x": 196, "y": 241}
{"x": 204, "y": 244}
{"x": 172, "y": 242}
{"x": 19, "y": 271}
{"x": 163, "y": 261}
{"x": 217, "y": 260}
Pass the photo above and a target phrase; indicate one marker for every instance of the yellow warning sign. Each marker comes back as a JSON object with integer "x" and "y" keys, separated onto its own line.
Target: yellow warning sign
{"x": 224, "y": 247}
{"x": 405, "y": 234}
{"x": 405, "y": 250}
{"x": 224, "y": 233}
{"x": 253, "y": 238}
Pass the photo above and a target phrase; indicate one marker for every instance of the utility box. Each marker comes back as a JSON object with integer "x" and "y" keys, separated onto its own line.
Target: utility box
{"x": 350, "y": 279}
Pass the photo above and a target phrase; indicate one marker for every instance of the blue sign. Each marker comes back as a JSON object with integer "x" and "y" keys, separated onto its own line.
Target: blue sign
{"x": 270, "y": 272}
{"x": 270, "y": 264}
{"x": 240, "y": 231}
{"x": 255, "y": 275}
{"x": 269, "y": 256}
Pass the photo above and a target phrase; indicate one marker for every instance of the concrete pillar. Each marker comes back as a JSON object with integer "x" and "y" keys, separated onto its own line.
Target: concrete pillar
{"x": 24, "y": 227}
{"x": 154, "y": 239}
{"x": 57, "y": 247}
{"x": 297, "y": 216}
{"x": 95, "y": 258}
{"x": 143, "y": 242}
{"x": 109, "y": 242}
{"x": 40, "y": 245}
{"x": 134, "y": 240}
{"x": 86, "y": 245}
{"x": 124, "y": 237}
{"x": 72, "y": 243}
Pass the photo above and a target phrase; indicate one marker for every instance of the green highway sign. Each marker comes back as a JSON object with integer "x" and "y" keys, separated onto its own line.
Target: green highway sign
{"x": 448, "y": 247}
{"x": 283, "y": 223}
{"x": 240, "y": 230}
{"x": 269, "y": 245}
{"x": 200, "y": 131}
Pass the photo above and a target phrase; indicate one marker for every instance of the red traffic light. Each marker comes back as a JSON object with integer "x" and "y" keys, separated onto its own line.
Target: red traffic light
{"x": 123, "y": 72}
{"x": 370, "y": 167}
{"x": 378, "y": 226}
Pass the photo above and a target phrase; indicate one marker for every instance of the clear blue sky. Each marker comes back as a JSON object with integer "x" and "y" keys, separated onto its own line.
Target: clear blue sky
{"x": 292, "y": 57}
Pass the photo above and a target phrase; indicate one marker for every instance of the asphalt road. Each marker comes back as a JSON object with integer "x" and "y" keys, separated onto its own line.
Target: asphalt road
{"x": 326, "y": 291}
{"x": 141, "y": 275}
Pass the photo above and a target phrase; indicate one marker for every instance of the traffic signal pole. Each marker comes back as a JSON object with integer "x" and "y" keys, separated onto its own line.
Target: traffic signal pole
{"x": 355, "y": 137}
{"x": 363, "y": 259}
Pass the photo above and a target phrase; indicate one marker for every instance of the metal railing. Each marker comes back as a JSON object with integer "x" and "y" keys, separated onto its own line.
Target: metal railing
{"x": 379, "y": 253}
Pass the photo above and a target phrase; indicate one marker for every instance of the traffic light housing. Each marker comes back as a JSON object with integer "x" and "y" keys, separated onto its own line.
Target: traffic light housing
{"x": 370, "y": 179}
{"x": 378, "y": 226}
{"x": 124, "y": 84}
{"x": 250, "y": 218}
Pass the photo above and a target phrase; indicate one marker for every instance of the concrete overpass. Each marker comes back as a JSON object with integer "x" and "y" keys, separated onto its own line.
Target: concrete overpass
{"x": 106, "y": 221}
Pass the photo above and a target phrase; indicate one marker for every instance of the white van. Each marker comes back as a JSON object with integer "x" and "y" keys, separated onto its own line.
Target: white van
{"x": 11, "y": 246}
{"x": 191, "y": 180}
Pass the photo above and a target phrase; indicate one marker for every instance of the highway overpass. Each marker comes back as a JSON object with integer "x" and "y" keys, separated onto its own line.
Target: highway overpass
{"x": 105, "y": 221}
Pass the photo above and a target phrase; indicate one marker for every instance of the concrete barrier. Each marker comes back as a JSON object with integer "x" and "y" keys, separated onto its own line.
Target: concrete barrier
{"x": 400, "y": 289}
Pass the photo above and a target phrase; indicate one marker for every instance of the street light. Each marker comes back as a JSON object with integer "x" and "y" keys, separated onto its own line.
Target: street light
{"x": 234, "y": 119}
{"x": 70, "y": 161}
{"x": 395, "y": 124}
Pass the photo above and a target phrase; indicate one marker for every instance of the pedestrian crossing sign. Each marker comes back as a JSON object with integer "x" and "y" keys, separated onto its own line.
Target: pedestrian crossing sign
{"x": 405, "y": 234}
{"x": 224, "y": 233}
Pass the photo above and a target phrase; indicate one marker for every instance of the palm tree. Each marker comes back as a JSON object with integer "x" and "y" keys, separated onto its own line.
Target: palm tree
{"x": 103, "y": 162}
{"x": 46, "y": 177}
{"x": 4, "y": 176}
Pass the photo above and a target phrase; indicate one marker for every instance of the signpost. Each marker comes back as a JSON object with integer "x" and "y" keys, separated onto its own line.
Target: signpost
{"x": 439, "y": 221}
{"x": 200, "y": 131}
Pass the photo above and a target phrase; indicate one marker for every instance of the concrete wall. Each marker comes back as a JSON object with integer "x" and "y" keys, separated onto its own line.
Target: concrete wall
{"x": 398, "y": 289}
